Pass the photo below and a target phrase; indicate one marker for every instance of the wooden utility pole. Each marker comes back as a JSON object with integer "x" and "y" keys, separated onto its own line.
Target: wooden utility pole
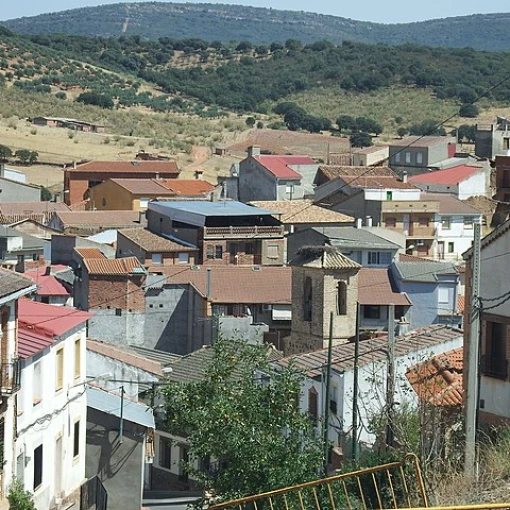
{"x": 326, "y": 397}
{"x": 390, "y": 377}
{"x": 473, "y": 361}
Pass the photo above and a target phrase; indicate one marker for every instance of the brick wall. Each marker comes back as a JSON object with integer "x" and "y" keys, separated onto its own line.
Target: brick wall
{"x": 112, "y": 291}
{"x": 260, "y": 257}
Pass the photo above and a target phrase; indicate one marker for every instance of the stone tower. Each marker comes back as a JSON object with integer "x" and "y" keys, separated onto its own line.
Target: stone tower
{"x": 323, "y": 281}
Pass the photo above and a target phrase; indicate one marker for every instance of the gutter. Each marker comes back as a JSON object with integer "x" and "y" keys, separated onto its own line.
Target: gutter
{"x": 19, "y": 294}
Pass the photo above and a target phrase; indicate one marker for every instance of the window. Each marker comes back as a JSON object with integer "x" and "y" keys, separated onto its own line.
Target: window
{"x": 249, "y": 248}
{"x": 37, "y": 383}
{"x": 144, "y": 201}
{"x": 342, "y": 298}
{"x": 103, "y": 202}
{"x": 76, "y": 439}
{"x": 423, "y": 221}
{"x": 506, "y": 179}
{"x": 38, "y": 466}
{"x": 397, "y": 157}
{"x": 214, "y": 251}
{"x": 118, "y": 312}
{"x": 408, "y": 158}
{"x": 444, "y": 294}
{"x": 218, "y": 251}
{"x": 183, "y": 258}
{"x": 419, "y": 158}
{"x": 468, "y": 222}
{"x": 446, "y": 222}
{"x": 506, "y": 143}
{"x": 209, "y": 252}
{"x": 307, "y": 300}
{"x": 390, "y": 222}
{"x": 313, "y": 405}
{"x": 378, "y": 258}
{"x": 371, "y": 312}
{"x": 494, "y": 361}
{"x": 157, "y": 258}
{"x": 289, "y": 188}
{"x": 333, "y": 399}
{"x": 165, "y": 452}
{"x": 451, "y": 247}
{"x": 389, "y": 195}
{"x": 59, "y": 370}
{"x": 273, "y": 251}
{"x": 77, "y": 358}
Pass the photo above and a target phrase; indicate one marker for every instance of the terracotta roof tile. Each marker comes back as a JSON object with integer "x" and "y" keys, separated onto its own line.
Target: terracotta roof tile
{"x": 303, "y": 211}
{"x": 333, "y": 171}
{"x": 235, "y": 284}
{"x": 449, "y": 204}
{"x": 450, "y": 176}
{"x": 124, "y": 266}
{"x": 151, "y": 242}
{"x": 91, "y": 253}
{"x": 376, "y": 182}
{"x": 12, "y": 212}
{"x": 98, "y": 218}
{"x": 374, "y": 288}
{"x": 105, "y": 167}
{"x": 143, "y": 186}
{"x": 438, "y": 380}
{"x": 422, "y": 141}
{"x": 324, "y": 257}
{"x": 189, "y": 188}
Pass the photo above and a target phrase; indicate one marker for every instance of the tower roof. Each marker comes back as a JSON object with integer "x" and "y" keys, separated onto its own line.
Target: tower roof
{"x": 323, "y": 257}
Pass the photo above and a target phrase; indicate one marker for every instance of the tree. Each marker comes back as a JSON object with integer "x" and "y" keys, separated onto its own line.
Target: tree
{"x": 243, "y": 416}
{"x": 250, "y": 121}
{"x": 5, "y": 153}
{"x": 469, "y": 111}
{"x": 26, "y": 157}
{"x": 19, "y": 498}
{"x": 402, "y": 131}
{"x": 346, "y": 122}
{"x": 244, "y": 46}
{"x": 95, "y": 98}
{"x": 361, "y": 140}
{"x": 294, "y": 118}
{"x": 46, "y": 194}
{"x": 466, "y": 132}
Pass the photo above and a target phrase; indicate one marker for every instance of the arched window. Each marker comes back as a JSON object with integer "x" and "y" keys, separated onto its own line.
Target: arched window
{"x": 307, "y": 300}
{"x": 342, "y": 298}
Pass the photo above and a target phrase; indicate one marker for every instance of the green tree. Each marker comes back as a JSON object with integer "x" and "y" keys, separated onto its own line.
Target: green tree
{"x": 250, "y": 121}
{"x": 5, "y": 153}
{"x": 26, "y": 156}
{"x": 243, "y": 415}
{"x": 46, "y": 194}
{"x": 19, "y": 498}
{"x": 346, "y": 122}
{"x": 402, "y": 131}
{"x": 466, "y": 132}
{"x": 361, "y": 140}
{"x": 469, "y": 110}
{"x": 95, "y": 98}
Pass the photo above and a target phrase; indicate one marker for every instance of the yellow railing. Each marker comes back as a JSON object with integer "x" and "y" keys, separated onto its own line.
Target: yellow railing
{"x": 396, "y": 485}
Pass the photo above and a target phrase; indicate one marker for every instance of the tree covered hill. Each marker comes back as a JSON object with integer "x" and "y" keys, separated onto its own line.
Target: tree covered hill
{"x": 261, "y": 25}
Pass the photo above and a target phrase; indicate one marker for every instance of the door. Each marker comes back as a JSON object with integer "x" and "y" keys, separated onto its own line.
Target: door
{"x": 233, "y": 249}
{"x": 20, "y": 468}
{"x": 58, "y": 466}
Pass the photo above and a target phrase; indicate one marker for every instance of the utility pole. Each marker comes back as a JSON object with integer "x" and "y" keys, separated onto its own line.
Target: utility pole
{"x": 390, "y": 380}
{"x": 473, "y": 361}
{"x": 355, "y": 390}
{"x": 121, "y": 425}
{"x": 326, "y": 397}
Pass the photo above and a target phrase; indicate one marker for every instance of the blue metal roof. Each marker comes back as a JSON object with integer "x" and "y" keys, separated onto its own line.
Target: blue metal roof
{"x": 109, "y": 403}
{"x": 223, "y": 208}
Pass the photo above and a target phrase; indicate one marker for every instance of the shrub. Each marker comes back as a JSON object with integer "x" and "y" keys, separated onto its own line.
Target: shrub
{"x": 19, "y": 498}
{"x": 361, "y": 140}
{"x": 469, "y": 111}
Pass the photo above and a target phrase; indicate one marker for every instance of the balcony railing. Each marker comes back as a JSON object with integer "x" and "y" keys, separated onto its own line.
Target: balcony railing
{"x": 495, "y": 367}
{"x": 11, "y": 377}
{"x": 243, "y": 232}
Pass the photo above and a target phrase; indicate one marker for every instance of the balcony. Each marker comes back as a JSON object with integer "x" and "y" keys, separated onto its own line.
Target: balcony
{"x": 11, "y": 377}
{"x": 495, "y": 367}
{"x": 272, "y": 231}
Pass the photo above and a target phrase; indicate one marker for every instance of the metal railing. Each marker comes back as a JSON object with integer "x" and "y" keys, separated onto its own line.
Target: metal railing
{"x": 239, "y": 232}
{"x": 394, "y": 485}
{"x": 93, "y": 495}
{"x": 10, "y": 374}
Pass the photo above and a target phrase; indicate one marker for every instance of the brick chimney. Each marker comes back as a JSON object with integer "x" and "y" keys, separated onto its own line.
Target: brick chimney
{"x": 253, "y": 150}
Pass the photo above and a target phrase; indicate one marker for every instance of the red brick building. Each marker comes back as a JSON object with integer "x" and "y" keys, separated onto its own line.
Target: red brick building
{"x": 78, "y": 180}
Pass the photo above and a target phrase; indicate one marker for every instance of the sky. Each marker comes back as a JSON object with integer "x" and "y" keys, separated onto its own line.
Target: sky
{"x": 387, "y": 11}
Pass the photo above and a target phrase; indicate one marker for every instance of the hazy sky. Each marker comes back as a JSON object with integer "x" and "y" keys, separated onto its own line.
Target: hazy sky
{"x": 387, "y": 11}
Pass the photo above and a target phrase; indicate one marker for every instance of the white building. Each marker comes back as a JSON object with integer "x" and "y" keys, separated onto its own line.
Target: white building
{"x": 462, "y": 181}
{"x": 51, "y": 403}
{"x": 12, "y": 287}
{"x": 410, "y": 349}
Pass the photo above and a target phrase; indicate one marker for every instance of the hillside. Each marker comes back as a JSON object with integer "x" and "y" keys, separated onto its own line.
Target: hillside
{"x": 261, "y": 25}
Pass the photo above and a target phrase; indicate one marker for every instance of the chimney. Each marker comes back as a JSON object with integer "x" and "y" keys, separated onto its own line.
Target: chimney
{"x": 402, "y": 327}
{"x": 199, "y": 175}
{"x": 74, "y": 164}
{"x": 47, "y": 271}
{"x": 404, "y": 176}
{"x": 369, "y": 221}
{"x": 157, "y": 175}
{"x": 359, "y": 222}
{"x": 253, "y": 150}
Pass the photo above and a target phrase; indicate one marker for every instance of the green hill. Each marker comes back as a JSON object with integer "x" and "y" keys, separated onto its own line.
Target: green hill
{"x": 233, "y": 22}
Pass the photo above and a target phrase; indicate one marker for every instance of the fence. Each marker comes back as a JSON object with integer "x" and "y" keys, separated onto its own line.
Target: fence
{"x": 397, "y": 485}
{"x": 93, "y": 495}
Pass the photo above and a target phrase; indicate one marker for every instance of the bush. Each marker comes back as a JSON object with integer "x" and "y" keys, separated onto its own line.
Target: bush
{"x": 61, "y": 95}
{"x": 5, "y": 153}
{"x": 469, "y": 110}
{"x": 260, "y": 124}
{"x": 19, "y": 498}
{"x": 97, "y": 99}
{"x": 361, "y": 140}
{"x": 250, "y": 122}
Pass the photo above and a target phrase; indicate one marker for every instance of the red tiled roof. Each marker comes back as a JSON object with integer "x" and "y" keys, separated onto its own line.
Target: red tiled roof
{"x": 374, "y": 288}
{"x": 49, "y": 319}
{"x": 438, "y": 380}
{"x": 13, "y": 212}
{"x": 450, "y": 176}
{"x": 235, "y": 284}
{"x": 190, "y": 188}
{"x": 127, "y": 265}
{"x": 91, "y": 253}
{"x": 143, "y": 186}
{"x": 161, "y": 167}
{"x": 376, "y": 182}
{"x": 30, "y": 342}
{"x": 280, "y": 166}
